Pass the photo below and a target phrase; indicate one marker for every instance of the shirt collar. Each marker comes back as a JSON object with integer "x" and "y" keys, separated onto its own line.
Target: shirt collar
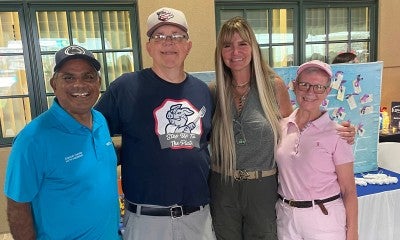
{"x": 70, "y": 123}
{"x": 319, "y": 123}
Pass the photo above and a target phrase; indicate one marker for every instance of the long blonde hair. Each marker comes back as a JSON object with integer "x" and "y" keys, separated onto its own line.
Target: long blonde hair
{"x": 222, "y": 138}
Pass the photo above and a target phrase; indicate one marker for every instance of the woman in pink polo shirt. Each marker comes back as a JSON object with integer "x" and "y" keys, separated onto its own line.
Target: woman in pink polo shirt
{"x": 317, "y": 192}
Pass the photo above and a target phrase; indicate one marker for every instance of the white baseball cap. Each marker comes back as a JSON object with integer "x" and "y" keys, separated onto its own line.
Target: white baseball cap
{"x": 166, "y": 16}
{"x": 315, "y": 64}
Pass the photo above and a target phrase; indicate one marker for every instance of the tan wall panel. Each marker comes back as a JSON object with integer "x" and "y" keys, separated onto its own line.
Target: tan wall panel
{"x": 390, "y": 86}
{"x": 389, "y": 50}
{"x": 4, "y": 152}
{"x": 201, "y": 21}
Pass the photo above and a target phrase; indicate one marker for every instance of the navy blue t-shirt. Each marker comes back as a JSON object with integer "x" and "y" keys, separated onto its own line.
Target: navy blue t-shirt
{"x": 165, "y": 129}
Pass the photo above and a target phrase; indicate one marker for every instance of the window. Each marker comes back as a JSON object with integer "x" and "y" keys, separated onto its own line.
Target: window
{"x": 112, "y": 46}
{"x": 25, "y": 69}
{"x": 295, "y": 31}
{"x": 15, "y": 102}
{"x": 274, "y": 30}
{"x": 330, "y": 31}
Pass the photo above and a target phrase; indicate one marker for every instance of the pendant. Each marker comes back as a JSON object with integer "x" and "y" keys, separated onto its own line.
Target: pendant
{"x": 241, "y": 141}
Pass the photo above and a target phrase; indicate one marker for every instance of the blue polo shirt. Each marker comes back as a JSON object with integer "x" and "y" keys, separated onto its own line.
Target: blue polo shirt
{"x": 68, "y": 173}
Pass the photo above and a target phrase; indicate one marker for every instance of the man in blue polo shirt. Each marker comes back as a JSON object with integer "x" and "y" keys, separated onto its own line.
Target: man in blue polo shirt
{"x": 61, "y": 175}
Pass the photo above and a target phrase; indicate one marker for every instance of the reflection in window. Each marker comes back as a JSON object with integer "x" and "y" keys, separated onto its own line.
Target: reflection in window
{"x": 53, "y": 30}
{"x": 325, "y": 29}
{"x": 15, "y": 110}
{"x": 359, "y": 24}
{"x": 106, "y": 33}
{"x": 315, "y": 25}
{"x": 315, "y": 52}
{"x": 282, "y": 26}
{"x": 330, "y": 31}
{"x": 85, "y": 28}
{"x": 265, "y": 51}
{"x": 338, "y": 30}
{"x": 283, "y": 56}
{"x": 119, "y": 62}
{"x": 274, "y": 32}
{"x": 258, "y": 20}
{"x": 228, "y": 14}
{"x": 25, "y": 73}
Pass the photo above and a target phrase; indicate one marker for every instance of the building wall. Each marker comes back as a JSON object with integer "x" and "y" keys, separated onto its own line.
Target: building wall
{"x": 389, "y": 50}
{"x": 3, "y": 163}
{"x": 202, "y": 33}
{"x": 201, "y": 30}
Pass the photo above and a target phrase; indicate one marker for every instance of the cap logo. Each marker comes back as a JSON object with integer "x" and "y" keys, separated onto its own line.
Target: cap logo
{"x": 164, "y": 15}
{"x": 73, "y": 50}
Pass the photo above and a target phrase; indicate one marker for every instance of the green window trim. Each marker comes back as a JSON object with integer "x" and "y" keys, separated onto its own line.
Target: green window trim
{"x": 326, "y": 47}
{"x": 33, "y": 32}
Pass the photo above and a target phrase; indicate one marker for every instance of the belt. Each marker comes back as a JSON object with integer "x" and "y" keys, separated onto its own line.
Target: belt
{"x": 307, "y": 204}
{"x": 173, "y": 212}
{"x": 247, "y": 175}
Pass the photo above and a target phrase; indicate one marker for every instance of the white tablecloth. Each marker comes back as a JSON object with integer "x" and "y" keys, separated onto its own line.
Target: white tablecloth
{"x": 379, "y": 216}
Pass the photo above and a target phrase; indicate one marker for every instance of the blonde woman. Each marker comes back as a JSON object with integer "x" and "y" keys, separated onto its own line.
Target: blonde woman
{"x": 245, "y": 132}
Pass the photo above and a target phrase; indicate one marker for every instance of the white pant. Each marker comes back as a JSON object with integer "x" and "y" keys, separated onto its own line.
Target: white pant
{"x": 195, "y": 226}
{"x": 310, "y": 223}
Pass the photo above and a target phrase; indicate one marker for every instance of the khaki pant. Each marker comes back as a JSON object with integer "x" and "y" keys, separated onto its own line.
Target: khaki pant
{"x": 195, "y": 226}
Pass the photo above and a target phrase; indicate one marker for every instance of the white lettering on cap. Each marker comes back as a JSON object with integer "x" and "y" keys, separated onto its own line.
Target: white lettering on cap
{"x": 72, "y": 50}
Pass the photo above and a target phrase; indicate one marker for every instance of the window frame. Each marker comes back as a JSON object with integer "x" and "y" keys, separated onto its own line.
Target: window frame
{"x": 32, "y": 53}
{"x": 19, "y": 9}
{"x": 299, "y": 8}
{"x": 256, "y": 6}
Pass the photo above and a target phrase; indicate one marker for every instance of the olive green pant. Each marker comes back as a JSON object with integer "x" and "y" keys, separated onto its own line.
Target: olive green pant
{"x": 244, "y": 210}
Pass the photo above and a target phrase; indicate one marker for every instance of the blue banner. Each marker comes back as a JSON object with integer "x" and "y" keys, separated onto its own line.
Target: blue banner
{"x": 355, "y": 97}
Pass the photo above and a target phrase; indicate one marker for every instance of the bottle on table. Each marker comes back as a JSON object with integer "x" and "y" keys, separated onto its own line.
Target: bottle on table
{"x": 385, "y": 120}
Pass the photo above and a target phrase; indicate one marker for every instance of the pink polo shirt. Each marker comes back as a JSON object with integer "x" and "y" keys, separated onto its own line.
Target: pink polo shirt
{"x": 306, "y": 160}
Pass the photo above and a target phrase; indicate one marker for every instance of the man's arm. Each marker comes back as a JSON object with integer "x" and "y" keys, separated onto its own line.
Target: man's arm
{"x": 282, "y": 97}
{"x": 20, "y": 220}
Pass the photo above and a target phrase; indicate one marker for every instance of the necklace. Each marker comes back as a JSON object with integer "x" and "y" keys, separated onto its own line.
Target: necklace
{"x": 240, "y": 85}
{"x": 242, "y": 99}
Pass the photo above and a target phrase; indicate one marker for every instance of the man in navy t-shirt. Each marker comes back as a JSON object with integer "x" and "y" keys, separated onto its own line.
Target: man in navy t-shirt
{"x": 164, "y": 117}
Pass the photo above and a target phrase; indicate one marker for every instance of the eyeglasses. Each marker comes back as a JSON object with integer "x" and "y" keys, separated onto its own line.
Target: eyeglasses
{"x": 175, "y": 38}
{"x": 319, "y": 89}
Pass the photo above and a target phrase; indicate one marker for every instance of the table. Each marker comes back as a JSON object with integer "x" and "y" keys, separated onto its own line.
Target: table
{"x": 389, "y": 137}
{"x": 379, "y": 210}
